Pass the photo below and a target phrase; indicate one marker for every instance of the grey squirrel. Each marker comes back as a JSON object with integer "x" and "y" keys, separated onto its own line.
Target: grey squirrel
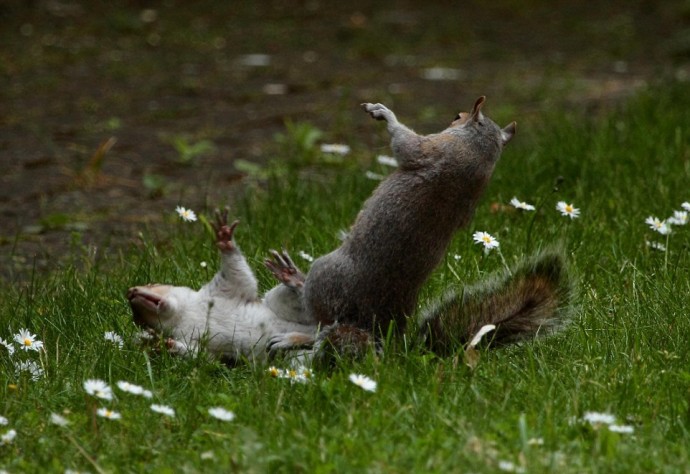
{"x": 401, "y": 234}
{"x": 226, "y": 316}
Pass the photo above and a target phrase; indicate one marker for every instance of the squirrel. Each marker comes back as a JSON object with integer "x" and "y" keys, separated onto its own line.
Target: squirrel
{"x": 372, "y": 281}
{"x": 226, "y": 316}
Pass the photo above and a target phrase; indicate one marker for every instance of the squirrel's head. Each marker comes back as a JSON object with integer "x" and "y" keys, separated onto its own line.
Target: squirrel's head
{"x": 476, "y": 119}
{"x": 159, "y": 307}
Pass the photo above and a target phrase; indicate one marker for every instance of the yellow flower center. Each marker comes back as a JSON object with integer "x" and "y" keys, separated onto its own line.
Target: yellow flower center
{"x": 568, "y": 208}
{"x": 27, "y": 341}
{"x": 486, "y": 239}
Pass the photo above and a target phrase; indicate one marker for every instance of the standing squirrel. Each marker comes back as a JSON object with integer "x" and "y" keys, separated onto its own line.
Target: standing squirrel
{"x": 401, "y": 234}
{"x": 226, "y": 316}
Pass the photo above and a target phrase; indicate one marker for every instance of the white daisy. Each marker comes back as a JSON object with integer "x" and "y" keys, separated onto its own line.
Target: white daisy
{"x": 656, "y": 246}
{"x": 658, "y": 225}
{"x": 374, "y": 176}
{"x": 8, "y": 437}
{"x": 27, "y": 341}
{"x": 58, "y": 420}
{"x": 305, "y": 256}
{"x": 98, "y": 388}
{"x": 335, "y": 148}
{"x": 7, "y": 345}
{"x": 132, "y": 388}
{"x": 508, "y": 466}
{"x": 163, "y": 410}
{"x": 485, "y": 239}
{"x": 4, "y": 421}
{"x": 203, "y": 264}
{"x": 516, "y": 203}
{"x": 186, "y": 215}
{"x": 109, "y": 414}
{"x": 596, "y": 418}
{"x": 481, "y": 333}
{"x": 30, "y": 366}
{"x": 686, "y": 206}
{"x": 364, "y": 382}
{"x": 114, "y": 338}
{"x": 387, "y": 161}
{"x": 221, "y": 414}
{"x": 568, "y": 210}
{"x": 622, "y": 429}
{"x": 679, "y": 218}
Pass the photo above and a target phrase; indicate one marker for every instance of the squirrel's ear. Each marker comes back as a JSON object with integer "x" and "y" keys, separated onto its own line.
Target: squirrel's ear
{"x": 476, "y": 113}
{"x": 508, "y": 132}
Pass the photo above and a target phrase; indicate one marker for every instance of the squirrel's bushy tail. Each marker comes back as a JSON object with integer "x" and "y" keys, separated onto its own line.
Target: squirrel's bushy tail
{"x": 535, "y": 299}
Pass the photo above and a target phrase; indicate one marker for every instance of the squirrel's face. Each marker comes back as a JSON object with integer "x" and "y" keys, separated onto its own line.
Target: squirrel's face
{"x": 476, "y": 119}
{"x": 159, "y": 307}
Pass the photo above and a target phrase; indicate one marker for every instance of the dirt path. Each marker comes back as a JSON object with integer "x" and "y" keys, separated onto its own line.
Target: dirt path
{"x": 104, "y": 102}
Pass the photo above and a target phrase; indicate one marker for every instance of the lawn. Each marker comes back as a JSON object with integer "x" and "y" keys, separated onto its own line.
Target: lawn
{"x": 526, "y": 408}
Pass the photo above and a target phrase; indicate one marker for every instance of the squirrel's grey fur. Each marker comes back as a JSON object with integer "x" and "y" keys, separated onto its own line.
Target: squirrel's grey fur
{"x": 404, "y": 228}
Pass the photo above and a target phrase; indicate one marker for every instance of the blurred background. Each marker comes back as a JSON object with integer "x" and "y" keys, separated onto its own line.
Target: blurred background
{"x": 114, "y": 112}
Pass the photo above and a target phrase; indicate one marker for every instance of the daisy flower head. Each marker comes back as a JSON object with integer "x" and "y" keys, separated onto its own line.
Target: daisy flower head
{"x": 686, "y": 206}
{"x": 275, "y": 371}
{"x": 27, "y": 341}
{"x": 109, "y": 414}
{"x": 567, "y": 210}
{"x": 115, "y": 338}
{"x": 678, "y": 218}
{"x": 133, "y": 389}
{"x": 221, "y": 413}
{"x": 186, "y": 215}
{"x": 656, "y": 246}
{"x": 8, "y": 437}
{"x": 387, "y": 161}
{"x": 363, "y": 382}
{"x": 374, "y": 176}
{"x": 98, "y": 388}
{"x": 335, "y": 148}
{"x": 622, "y": 429}
{"x": 487, "y": 240}
{"x": 4, "y": 421}
{"x": 7, "y": 345}
{"x": 58, "y": 420}
{"x": 517, "y": 204}
{"x": 658, "y": 225}
{"x": 595, "y": 418}
{"x": 34, "y": 370}
{"x": 163, "y": 410}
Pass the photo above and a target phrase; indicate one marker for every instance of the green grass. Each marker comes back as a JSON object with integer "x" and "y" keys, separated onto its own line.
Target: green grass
{"x": 626, "y": 353}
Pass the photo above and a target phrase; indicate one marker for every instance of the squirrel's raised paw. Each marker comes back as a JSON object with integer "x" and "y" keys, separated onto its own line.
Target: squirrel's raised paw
{"x": 224, "y": 232}
{"x": 289, "y": 340}
{"x": 284, "y": 269}
{"x": 379, "y": 111}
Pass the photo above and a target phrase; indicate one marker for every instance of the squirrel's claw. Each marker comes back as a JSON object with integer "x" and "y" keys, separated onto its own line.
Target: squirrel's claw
{"x": 284, "y": 269}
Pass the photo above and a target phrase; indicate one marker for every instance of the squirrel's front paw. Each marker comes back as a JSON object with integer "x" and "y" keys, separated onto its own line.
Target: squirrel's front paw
{"x": 284, "y": 269}
{"x": 379, "y": 111}
{"x": 224, "y": 232}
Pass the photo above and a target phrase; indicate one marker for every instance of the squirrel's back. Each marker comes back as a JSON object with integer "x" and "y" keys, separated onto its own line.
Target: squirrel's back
{"x": 404, "y": 228}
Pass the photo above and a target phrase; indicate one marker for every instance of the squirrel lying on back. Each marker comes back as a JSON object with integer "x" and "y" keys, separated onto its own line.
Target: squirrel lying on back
{"x": 371, "y": 282}
{"x": 226, "y": 317}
